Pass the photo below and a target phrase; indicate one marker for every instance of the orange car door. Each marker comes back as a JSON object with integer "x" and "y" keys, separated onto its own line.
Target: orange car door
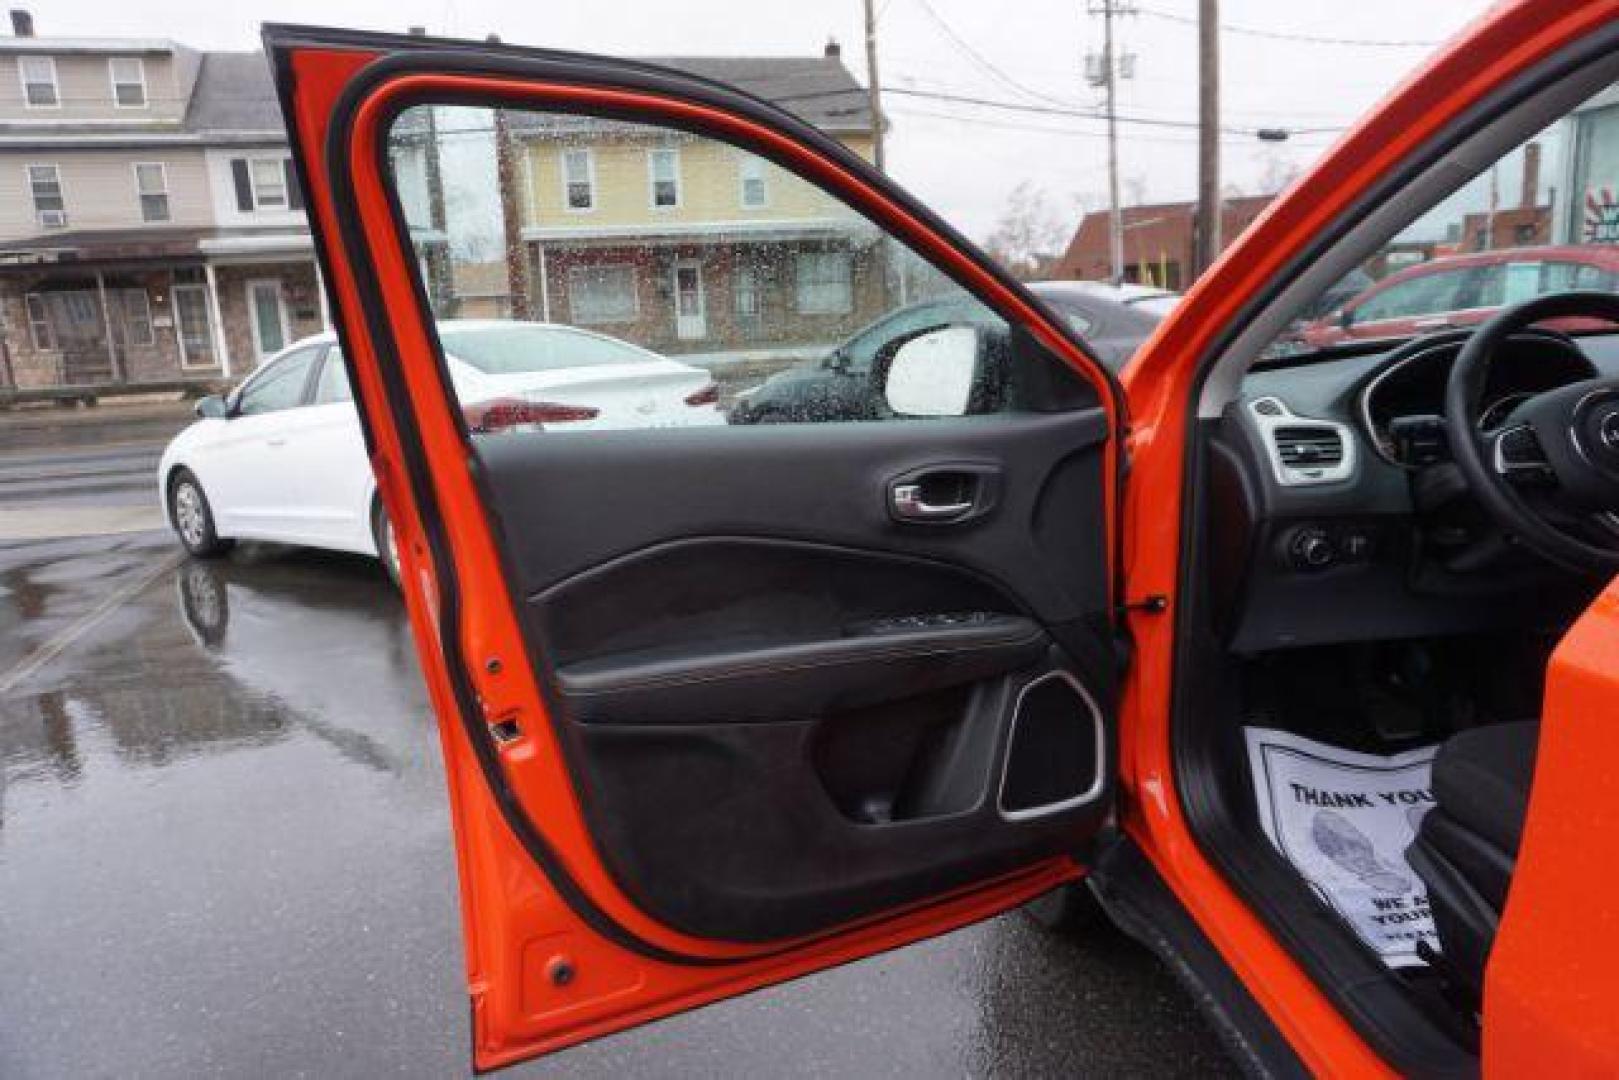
{"x": 720, "y": 704}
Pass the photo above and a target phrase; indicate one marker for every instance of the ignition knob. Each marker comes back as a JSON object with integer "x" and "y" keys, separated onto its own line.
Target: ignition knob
{"x": 1311, "y": 549}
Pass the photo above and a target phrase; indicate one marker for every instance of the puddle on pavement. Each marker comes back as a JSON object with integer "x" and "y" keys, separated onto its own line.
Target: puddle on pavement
{"x": 212, "y": 658}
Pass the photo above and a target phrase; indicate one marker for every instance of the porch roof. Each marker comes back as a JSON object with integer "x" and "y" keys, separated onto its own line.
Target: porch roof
{"x": 643, "y": 234}
{"x": 90, "y": 248}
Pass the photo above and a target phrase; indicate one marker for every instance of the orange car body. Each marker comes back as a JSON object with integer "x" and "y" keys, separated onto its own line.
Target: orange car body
{"x": 1549, "y": 1002}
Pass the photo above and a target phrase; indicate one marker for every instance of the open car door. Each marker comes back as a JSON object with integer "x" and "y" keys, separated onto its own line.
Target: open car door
{"x": 720, "y": 704}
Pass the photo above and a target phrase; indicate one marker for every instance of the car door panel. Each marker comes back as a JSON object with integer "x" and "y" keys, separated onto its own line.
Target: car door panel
{"x": 826, "y": 482}
{"x": 800, "y": 622}
{"x": 251, "y": 471}
{"x": 335, "y": 478}
{"x": 713, "y": 716}
{"x": 334, "y": 471}
{"x": 231, "y": 472}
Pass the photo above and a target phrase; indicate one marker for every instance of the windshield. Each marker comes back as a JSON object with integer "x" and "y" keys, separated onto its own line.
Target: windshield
{"x": 516, "y": 348}
{"x": 1543, "y": 218}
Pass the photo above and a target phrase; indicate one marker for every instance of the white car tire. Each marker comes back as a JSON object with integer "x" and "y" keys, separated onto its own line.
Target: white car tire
{"x": 387, "y": 541}
{"x": 193, "y": 518}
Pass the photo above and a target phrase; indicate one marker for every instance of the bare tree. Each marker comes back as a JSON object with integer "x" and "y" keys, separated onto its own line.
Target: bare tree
{"x": 1135, "y": 189}
{"x": 1030, "y": 234}
{"x": 1278, "y": 172}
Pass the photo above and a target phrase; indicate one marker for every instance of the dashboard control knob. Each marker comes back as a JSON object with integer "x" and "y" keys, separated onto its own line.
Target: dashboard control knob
{"x": 1311, "y": 549}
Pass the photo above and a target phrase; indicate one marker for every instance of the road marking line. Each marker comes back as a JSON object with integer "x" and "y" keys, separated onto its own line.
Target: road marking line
{"x": 53, "y": 648}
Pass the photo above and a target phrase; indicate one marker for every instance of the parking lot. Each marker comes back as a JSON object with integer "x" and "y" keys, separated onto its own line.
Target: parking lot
{"x": 224, "y": 846}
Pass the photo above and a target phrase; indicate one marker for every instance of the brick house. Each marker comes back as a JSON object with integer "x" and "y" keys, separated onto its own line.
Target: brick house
{"x": 151, "y": 225}
{"x": 152, "y": 229}
{"x": 686, "y": 245}
{"x": 1159, "y": 241}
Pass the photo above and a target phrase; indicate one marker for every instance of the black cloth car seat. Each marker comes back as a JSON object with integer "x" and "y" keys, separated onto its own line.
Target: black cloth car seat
{"x": 1467, "y": 845}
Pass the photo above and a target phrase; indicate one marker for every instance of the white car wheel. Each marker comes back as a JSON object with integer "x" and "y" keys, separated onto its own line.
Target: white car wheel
{"x": 387, "y": 542}
{"x": 192, "y": 517}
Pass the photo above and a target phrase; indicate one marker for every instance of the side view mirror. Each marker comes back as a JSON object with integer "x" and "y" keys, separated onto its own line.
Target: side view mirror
{"x": 932, "y": 372}
{"x": 214, "y": 405}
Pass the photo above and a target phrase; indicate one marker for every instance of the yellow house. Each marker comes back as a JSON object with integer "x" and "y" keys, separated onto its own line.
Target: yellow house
{"x": 686, "y": 244}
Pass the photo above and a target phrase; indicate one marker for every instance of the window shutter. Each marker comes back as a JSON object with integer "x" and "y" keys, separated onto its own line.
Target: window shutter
{"x": 244, "y": 185}
{"x": 295, "y": 194}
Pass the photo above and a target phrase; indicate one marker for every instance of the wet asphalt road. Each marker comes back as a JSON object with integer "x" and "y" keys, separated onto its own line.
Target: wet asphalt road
{"x": 224, "y": 850}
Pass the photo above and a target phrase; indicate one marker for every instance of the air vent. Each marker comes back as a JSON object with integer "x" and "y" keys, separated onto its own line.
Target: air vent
{"x": 1302, "y": 449}
{"x": 1309, "y": 447}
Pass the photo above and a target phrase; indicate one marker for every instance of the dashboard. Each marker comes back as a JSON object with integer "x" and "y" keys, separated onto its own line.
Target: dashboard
{"x": 1401, "y": 407}
{"x": 1335, "y": 514}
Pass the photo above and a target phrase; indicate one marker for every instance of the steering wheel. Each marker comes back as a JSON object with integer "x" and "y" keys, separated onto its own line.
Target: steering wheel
{"x": 1549, "y": 474}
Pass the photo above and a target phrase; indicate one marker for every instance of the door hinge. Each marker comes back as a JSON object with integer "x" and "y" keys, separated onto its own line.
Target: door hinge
{"x": 1155, "y": 604}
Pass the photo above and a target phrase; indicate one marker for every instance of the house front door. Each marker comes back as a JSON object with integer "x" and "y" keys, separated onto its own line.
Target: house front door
{"x": 268, "y": 311}
{"x": 691, "y": 321}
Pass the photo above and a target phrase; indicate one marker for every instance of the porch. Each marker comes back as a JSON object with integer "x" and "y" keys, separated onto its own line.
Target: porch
{"x": 100, "y": 312}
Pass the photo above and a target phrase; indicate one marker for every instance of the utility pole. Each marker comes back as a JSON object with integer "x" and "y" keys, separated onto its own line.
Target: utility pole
{"x": 1105, "y": 72}
{"x": 1495, "y": 205}
{"x": 440, "y": 276}
{"x": 874, "y": 88}
{"x": 1208, "y": 135}
{"x": 506, "y": 178}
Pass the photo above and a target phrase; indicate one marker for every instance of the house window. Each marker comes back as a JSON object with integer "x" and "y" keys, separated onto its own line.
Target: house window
{"x": 38, "y": 74}
{"x": 152, "y": 186}
{"x": 579, "y": 179}
{"x": 602, "y": 294}
{"x": 664, "y": 167}
{"x": 136, "y": 311}
{"x": 45, "y": 184}
{"x": 193, "y": 323}
{"x": 39, "y": 323}
{"x": 128, "y": 75}
{"x": 265, "y": 184}
{"x": 746, "y": 283}
{"x": 269, "y": 184}
{"x": 753, "y": 182}
{"x": 824, "y": 283}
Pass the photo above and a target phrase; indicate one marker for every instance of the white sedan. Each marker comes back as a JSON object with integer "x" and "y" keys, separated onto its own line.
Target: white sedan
{"x": 282, "y": 457}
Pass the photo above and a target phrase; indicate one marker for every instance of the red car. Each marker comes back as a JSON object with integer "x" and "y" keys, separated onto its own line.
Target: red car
{"x": 1464, "y": 290}
{"x": 1308, "y": 670}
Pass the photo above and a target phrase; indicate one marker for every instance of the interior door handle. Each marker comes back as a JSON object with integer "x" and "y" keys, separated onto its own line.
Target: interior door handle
{"x": 909, "y": 502}
{"x": 943, "y": 494}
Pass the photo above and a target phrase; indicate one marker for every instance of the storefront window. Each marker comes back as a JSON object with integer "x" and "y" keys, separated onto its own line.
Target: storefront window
{"x": 1595, "y": 208}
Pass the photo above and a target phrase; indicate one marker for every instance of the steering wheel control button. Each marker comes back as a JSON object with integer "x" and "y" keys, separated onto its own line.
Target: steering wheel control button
{"x": 1519, "y": 455}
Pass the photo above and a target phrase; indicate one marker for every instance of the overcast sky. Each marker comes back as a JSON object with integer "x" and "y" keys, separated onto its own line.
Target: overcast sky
{"x": 961, "y": 159}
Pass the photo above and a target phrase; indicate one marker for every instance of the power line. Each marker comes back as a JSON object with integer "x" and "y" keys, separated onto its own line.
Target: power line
{"x": 1046, "y": 110}
{"x": 1282, "y": 35}
{"x": 1071, "y": 132}
{"x": 1288, "y": 117}
{"x": 982, "y": 61}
